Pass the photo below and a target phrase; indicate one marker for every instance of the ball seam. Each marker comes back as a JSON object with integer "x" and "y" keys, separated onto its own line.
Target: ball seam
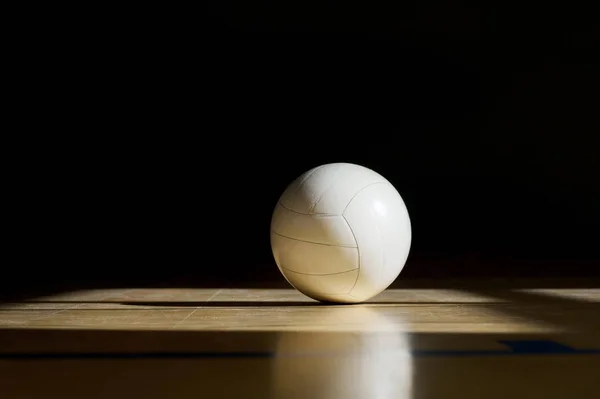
{"x": 320, "y": 243}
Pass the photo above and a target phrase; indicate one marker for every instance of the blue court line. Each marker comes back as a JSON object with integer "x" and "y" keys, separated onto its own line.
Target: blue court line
{"x": 515, "y": 348}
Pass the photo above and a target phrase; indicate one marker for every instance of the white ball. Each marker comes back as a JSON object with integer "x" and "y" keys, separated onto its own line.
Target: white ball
{"x": 340, "y": 233}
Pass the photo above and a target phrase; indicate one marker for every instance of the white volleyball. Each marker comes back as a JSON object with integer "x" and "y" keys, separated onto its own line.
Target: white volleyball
{"x": 340, "y": 233}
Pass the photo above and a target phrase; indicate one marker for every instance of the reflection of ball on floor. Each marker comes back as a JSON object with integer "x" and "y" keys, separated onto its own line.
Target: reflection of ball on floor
{"x": 348, "y": 352}
{"x": 340, "y": 233}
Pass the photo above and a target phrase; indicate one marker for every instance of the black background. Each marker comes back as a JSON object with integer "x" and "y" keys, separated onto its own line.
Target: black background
{"x": 175, "y": 131}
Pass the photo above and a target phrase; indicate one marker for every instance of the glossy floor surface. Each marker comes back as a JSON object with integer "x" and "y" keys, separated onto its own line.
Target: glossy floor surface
{"x": 276, "y": 343}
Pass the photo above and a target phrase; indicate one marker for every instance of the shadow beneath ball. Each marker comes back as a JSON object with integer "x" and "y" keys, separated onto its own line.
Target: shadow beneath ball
{"x": 223, "y": 304}
{"x": 256, "y": 304}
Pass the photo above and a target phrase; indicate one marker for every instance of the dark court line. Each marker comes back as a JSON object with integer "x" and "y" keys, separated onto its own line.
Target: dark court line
{"x": 516, "y": 348}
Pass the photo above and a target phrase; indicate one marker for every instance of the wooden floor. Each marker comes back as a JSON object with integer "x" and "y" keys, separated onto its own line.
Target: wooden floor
{"x": 275, "y": 343}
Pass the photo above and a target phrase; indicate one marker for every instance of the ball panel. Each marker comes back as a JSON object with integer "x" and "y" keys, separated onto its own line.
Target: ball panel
{"x": 328, "y": 189}
{"x": 310, "y": 258}
{"x": 381, "y": 225}
{"x": 323, "y": 287}
{"x": 288, "y": 197}
{"x": 320, "y": 229}
{"x": 349, "y": 181}
{"x": 302, "y": 196}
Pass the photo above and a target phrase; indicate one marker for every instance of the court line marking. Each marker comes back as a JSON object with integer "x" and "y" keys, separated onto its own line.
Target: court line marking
{"x": 197, "y": 308}
{"x": 516, "y": 348}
